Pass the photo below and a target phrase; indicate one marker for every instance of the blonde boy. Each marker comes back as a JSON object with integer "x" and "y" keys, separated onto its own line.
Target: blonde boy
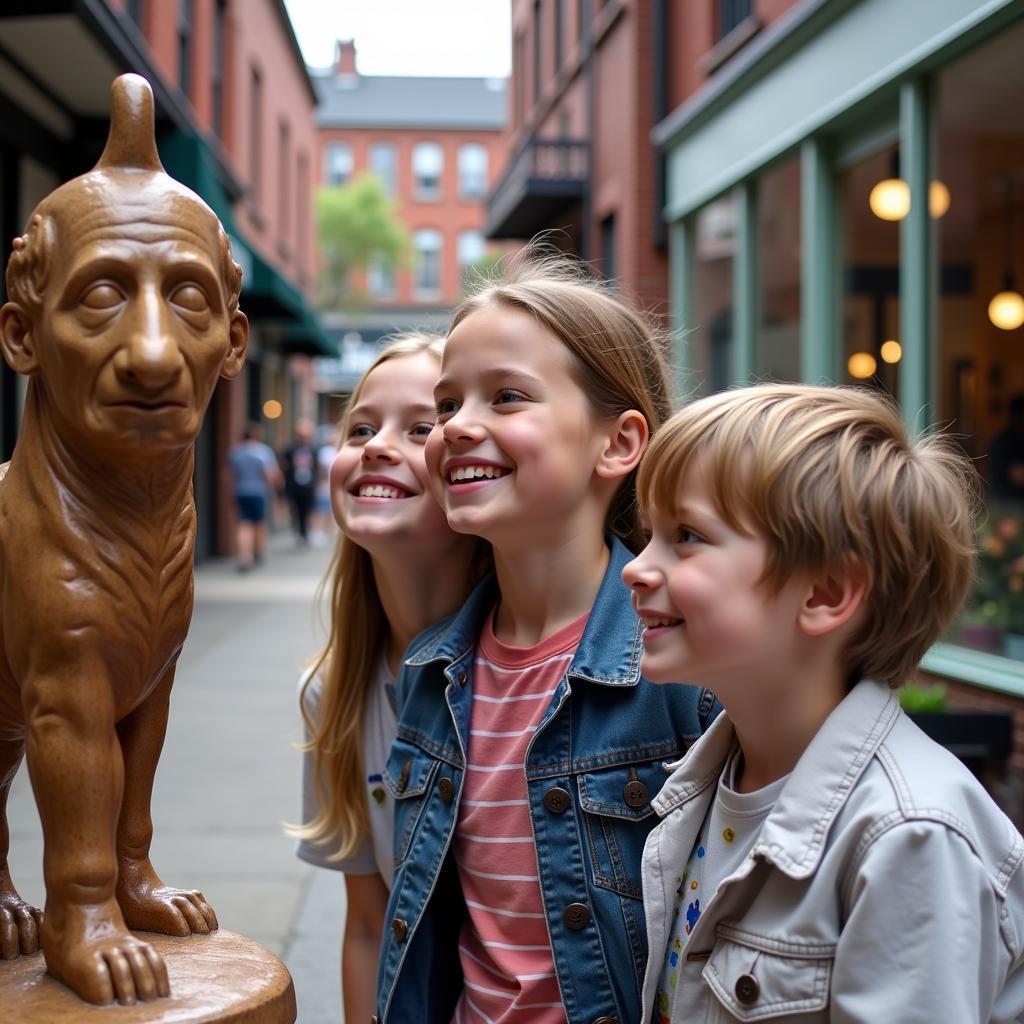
{"x": 820, "y": 859}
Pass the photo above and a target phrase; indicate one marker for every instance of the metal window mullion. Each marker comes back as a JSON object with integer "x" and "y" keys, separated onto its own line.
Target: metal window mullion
{"x": 917, "y": 271}
{"x": 744, "y": 284}
{"x": 820, "y": 320}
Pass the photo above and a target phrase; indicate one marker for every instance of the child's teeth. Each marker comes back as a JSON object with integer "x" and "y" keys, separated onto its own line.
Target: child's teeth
{"x": 475, "y": 473}
{"x": 377, "y": 491}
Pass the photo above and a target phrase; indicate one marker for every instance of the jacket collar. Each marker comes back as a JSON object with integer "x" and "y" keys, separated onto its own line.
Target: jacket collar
{"x": 608, "y": 653}
{"x": 796, "y": 830}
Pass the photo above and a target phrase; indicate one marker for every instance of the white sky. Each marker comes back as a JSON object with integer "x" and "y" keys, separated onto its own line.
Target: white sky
{"x": 408, "y": 37}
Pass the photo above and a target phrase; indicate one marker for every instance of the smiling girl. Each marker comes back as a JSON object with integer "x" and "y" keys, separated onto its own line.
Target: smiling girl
{"x": 397, "y": 568}
{"x": 528, "y": 744}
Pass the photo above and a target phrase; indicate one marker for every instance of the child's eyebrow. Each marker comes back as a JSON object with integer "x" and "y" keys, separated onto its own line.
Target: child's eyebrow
{"x": 495, "y": 375}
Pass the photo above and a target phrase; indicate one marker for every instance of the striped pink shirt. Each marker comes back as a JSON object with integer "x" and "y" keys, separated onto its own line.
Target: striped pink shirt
{"x": 504, "y": 946}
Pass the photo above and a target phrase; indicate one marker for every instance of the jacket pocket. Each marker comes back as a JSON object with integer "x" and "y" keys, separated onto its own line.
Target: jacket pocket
{"x": 753, "y": 984}
{"x": 617, "y": 816}
{"x": 407, "y": 775}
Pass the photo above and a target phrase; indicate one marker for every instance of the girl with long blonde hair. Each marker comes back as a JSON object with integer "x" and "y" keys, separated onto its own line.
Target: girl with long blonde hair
{"x": 397, "y": 568}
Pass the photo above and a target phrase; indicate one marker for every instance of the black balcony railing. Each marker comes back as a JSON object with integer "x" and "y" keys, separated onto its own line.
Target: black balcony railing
{"x": 544, "y": 180}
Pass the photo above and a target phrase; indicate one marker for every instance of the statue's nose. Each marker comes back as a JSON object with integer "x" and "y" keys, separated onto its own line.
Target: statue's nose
{"x": 150, "y": 358}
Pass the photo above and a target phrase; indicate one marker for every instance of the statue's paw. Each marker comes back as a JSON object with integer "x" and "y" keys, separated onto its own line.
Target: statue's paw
{"x": 167, "y": 910}
{"x": 117, "y": 968}
{"x": 20, "y": 925}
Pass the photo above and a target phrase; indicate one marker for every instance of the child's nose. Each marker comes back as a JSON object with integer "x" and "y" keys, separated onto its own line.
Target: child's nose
{"x": 462, "y": 426}
{"x": 638, "y": 575}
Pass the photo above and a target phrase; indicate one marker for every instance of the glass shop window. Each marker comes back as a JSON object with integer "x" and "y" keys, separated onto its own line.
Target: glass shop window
{"x": 777, "y": 352}
{"x": 977, "y": 202}
{"x": 710, "y": 337}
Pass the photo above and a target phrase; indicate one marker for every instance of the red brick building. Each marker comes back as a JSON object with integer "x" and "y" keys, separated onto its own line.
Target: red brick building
{"x": 436, "y": 146}
{"x": 234, "y": 122}
{"x": 590, "y": 80}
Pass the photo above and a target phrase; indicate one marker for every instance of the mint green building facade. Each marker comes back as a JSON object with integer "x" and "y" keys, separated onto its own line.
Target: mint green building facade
{"x": 786, "y": 262}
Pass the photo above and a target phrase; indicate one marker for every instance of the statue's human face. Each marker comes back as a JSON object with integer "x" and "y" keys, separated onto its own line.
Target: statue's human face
{"x": 134, "y": 328}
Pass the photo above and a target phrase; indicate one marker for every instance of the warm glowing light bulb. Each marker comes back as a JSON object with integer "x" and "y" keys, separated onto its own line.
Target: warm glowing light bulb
{"x": 891, "y": 351}
{"x": 938, "y": 199}
{"x": 890, "y": 200}
{"x": 861, "y": 365}
{"x": 272, "y": 408}
{"x": 1006, "y": 310}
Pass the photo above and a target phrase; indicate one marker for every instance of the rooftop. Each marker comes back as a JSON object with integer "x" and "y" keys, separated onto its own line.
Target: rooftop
{"x": 392, "y": 101}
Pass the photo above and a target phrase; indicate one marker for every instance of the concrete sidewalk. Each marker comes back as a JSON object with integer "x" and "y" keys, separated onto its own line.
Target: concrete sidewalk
{"x": 229, "y": 776}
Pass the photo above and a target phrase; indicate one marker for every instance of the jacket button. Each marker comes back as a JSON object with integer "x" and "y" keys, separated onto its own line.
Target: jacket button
{"x": 447, "y": 789}
{"x": 400, "y": 929}
{"x": 635, "y": 794}
{"x": 576, "y": 916}
{"x": 556, "y": 800}
{"x": 462, "y": 678}
{"x": 747, "y": 989}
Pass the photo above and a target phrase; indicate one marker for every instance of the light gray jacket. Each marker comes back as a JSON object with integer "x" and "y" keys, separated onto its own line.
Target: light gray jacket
{"x": 885, "y": 886}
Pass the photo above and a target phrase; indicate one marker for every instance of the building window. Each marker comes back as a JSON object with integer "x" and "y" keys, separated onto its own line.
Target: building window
{"x": 384, "y": 164}
{"x": 380, "y": 278}
{"x": 303, "y": 214}
{"x": 284, "y": 185}
{"x": 338, "y": 163}
{"x": 217, "y": 76}
{"x": 427, "y": 167}
{"x": 608, "y": 246}
{"x": 777, "y": 349}
{"x": 711, "y": 340}
{"x": 559, "y": 34}
{"x": 470, "y": 248}
{"x": 184, "y": 45}
{"x": 519, "y": 79}
{"x": 537, "y": 51}
{"x": 730, "y": 14}
{"x": 426, "y": 244}
{"x": 976, "y": 202}
{"x": 255, "y": 133}
{"x": 871, "y": 277}
{"x": 472, "y": 171}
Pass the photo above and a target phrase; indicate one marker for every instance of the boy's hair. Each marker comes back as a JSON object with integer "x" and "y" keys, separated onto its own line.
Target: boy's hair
{"x": 618, "y": 355}
{"x": 348, "y": 663}
{"x": 831, "y": 480}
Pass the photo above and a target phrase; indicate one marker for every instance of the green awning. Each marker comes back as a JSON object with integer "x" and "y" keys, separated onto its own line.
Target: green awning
{"x": 266, "y": 294}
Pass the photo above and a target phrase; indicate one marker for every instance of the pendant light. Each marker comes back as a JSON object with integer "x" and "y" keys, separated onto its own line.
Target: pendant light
{"x": 1006, "y": 308}
{"x": 890, "y": 198}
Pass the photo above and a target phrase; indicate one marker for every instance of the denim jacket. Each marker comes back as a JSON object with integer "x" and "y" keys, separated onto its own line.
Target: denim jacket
{"x": 885, "y": 885}
{"x": 592, "y": 768}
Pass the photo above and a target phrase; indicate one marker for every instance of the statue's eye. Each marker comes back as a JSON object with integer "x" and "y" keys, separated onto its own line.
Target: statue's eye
{"x": 101, "y": 297}
{"x": 190, "y": 297}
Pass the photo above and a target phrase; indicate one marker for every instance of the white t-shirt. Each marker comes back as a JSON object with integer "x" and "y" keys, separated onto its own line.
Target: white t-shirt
{"x": 374, "y": 855}
{"x": 729, "y": 832}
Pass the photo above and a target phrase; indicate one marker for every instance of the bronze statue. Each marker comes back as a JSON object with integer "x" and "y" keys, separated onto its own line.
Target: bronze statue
{"x": 123, "y": 313}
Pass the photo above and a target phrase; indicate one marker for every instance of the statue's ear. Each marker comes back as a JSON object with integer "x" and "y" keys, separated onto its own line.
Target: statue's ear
{"x": 238, "y": 343}
{"x": 16, "y": 339}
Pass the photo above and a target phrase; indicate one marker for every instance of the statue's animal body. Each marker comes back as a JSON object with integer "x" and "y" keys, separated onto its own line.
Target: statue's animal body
{"x": 124, "y": 313}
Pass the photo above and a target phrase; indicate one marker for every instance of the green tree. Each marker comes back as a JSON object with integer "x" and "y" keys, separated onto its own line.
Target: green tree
{"x": 357, "y": 226}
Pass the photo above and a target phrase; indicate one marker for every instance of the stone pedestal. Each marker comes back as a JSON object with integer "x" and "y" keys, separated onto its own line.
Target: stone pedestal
{"x": 221, "y": 977}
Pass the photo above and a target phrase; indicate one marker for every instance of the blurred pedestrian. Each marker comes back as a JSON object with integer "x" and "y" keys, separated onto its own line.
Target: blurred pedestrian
{"x": 300, "y": 475}
{"x": 322, "y": 519}
{"x": 256, "y": 477}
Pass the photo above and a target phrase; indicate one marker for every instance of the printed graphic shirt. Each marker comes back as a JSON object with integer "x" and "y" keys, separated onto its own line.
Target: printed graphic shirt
{"x": 728, "y": 834}
{"x": 504, "y": 947}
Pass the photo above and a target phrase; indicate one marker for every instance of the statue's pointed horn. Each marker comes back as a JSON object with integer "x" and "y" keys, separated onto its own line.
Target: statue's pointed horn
{"x": 132, "y": 139}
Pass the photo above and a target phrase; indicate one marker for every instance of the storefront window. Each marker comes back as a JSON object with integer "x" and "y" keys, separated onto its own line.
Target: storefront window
{"x": 710, "y": 339}
{"x": 870, "y": 244}
{"x": 979, "y": 372}
{"x": 777, "y": 353}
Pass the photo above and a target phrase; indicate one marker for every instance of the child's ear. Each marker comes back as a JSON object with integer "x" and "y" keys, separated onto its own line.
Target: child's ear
{"x": 623, "y": 442}
{"x": 833, "y": 598}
